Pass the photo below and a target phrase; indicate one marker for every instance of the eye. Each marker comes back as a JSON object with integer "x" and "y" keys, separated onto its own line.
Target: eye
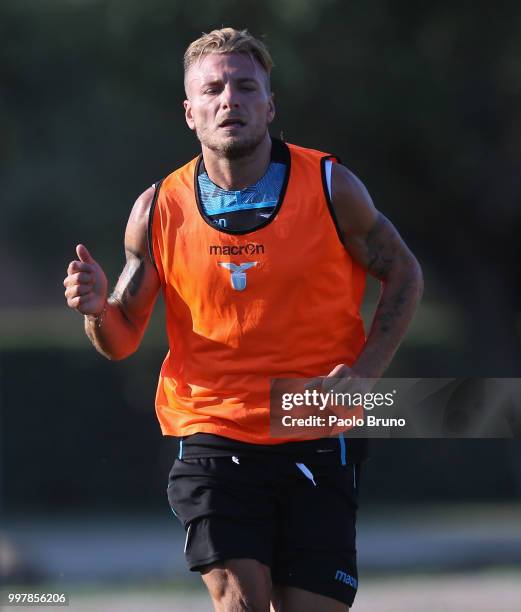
{"x": 211, "y": 88}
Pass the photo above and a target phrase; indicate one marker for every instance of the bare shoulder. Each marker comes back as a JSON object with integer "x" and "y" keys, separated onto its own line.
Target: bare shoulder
{"x": 137, "y": 226}
{"x": 371, "y": 239}
{"x": 353, "y": 206}
{"x": 138, "y": 284}
{"x": 141, "y": 208}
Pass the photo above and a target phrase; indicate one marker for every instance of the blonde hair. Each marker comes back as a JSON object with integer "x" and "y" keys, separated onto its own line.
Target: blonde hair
{"x": 228, "y": 40}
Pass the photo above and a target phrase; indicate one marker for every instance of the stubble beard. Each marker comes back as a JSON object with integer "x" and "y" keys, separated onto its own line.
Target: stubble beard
{"x": 235, "y": 147}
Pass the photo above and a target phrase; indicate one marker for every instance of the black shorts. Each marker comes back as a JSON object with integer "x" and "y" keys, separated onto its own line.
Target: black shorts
{"x": 296, "y": 516}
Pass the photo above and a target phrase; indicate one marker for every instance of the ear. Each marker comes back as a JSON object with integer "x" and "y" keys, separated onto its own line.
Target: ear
{"x": 271, "y": 108}
{"x": 188, "y": 114}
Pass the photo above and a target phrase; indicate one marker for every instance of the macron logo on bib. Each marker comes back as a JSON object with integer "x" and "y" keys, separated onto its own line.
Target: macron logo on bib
{"x": 238, "y": 273}
{"x": 251, "y": 248}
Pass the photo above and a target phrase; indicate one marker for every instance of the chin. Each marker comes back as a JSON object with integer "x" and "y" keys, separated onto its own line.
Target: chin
{"x": 234, "y": 147}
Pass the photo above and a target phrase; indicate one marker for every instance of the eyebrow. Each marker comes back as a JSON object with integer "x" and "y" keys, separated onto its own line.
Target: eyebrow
{"x": 214, "y": 81}
{"x": 211, "y": 82}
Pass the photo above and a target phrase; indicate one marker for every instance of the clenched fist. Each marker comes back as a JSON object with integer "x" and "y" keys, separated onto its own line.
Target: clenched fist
{"x": 85, "y": 284}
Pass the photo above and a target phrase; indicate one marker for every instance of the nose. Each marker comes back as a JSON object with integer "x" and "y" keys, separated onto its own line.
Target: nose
{"x": 229, "y": 97}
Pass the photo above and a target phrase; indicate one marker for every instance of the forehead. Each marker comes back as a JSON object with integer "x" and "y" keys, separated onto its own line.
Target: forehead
{"x": 224, "y": 66}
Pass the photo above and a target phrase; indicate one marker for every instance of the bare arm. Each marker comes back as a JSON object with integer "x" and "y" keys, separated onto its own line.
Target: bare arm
{"x": 374, "y": 242}
{"x": 115, "y": 324}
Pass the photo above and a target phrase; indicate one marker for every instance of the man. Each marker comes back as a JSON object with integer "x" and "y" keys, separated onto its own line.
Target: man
{"x": 261, "y": 250}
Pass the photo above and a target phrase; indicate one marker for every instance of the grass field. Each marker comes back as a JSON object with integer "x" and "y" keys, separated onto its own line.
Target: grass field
{"x": 472, "y": 592}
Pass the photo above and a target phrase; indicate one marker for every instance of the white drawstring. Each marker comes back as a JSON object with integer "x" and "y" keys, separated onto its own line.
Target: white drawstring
{"x": 187, "y": 536}
{"x": 307, "y": 472}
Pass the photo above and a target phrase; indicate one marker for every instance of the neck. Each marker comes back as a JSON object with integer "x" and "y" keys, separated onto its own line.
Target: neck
{"x": 236, "y": 174}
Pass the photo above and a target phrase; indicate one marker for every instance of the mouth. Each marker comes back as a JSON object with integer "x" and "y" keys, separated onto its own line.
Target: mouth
{"x": 234, "y": 122}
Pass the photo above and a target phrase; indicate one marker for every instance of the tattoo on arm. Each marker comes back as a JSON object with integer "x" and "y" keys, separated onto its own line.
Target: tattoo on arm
{"x": 391, "y": 309}
{"x": 131, "y": 279}
{"x": 381, "y": 247}
{"x": 385, "y": 250}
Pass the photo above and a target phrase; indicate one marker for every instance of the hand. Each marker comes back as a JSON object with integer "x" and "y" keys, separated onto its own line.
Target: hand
{"x": 345, "y": 380}
{"x": 85, "y": 284}
{"x": 341, "y": 379}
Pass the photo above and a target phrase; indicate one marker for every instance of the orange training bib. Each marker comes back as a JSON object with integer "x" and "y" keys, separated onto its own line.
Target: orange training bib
{"x": 281, "y": 301}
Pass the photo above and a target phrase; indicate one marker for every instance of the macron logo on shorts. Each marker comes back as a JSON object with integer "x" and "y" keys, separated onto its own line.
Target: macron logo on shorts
{"x": 346, "y": 579}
